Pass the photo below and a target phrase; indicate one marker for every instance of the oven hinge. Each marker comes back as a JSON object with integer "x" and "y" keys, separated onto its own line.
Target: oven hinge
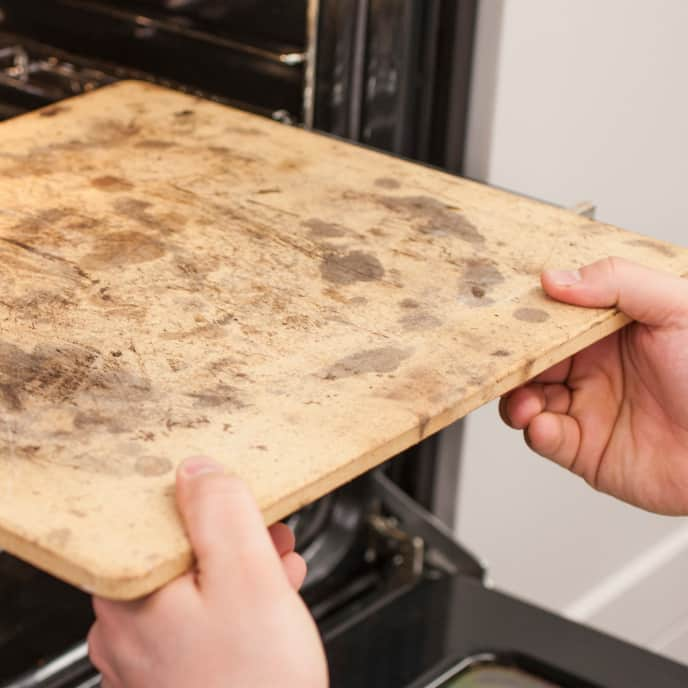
{"x": 405, "y": 552}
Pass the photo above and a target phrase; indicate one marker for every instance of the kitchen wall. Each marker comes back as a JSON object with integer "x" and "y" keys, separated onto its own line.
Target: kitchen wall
{"x": 579, "y": 100}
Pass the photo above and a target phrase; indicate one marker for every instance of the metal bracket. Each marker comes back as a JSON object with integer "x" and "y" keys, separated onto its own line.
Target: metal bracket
{"x": 415, "y": 522}
{"x": 407, "y": 550}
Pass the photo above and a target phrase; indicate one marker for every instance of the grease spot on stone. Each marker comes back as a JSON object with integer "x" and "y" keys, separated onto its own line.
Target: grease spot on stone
{"x": 112, "y": 184}
{"x": 532, "y": 315}
{"x": 433, "y": 217}
{"x": 501, "y": 353}
{"x": 324, "y": 230}
{"x": 479, "y": 277}
{"x": 418, "y": 321}
{"x": 383, "y": 360}
{"x": 409, "y": 303}
{"x": 653, "y": 245}
{"x": 152, "y": 466}
{"x": 123, "y": 248}
{"x": 355, "y": 266}
{"x": 387, "y": 183}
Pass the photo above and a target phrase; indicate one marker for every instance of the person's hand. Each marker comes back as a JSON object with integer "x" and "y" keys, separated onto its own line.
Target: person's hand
{"x": 237, "y": 621}
{"x": 617, "y": 413}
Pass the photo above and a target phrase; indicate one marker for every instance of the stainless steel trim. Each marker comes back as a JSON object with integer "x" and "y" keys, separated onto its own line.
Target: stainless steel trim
{"x": 311, "y": 55}
{"x": 358, "y": 79}
{"x": 467, "y": 663}
{"x": 447, "y": 473}
{"x": 53, "y": 669}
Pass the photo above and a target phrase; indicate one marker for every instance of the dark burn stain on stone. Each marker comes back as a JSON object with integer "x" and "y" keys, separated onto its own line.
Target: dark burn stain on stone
{"x": 319, "y": 229}
{"x": 123, "y": 248}
{"x": 433, "y": 217}
{"x": 94, "y": 420}
{"x": 53, "y": 111}
{"x": 387, "y": 183}
{"x": 222, "y": 395}
{"x": 418, "y": 321}
{"x": 501, "y": 353}
{"x": 50, "y": 371}
{"x": 479, "y": 276}
{"x": 112, "y": 184}
{"x": 657, "y": 246}
{"x": 354, "y": 266}
{"x": 531, "y": 315}
{"x": 57, "y": 373}
{"x": 152, "y": 466}
{"x": 383, "y": 360}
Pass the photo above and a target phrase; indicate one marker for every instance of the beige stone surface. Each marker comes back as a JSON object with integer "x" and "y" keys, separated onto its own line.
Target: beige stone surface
{"x": 182, "y": 278}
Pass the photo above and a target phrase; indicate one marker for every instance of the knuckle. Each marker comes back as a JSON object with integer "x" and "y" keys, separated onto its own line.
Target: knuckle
{"x": 95, "y": 647}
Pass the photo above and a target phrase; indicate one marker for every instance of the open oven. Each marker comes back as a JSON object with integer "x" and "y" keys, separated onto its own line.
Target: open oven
{"x": 399, "y": 603}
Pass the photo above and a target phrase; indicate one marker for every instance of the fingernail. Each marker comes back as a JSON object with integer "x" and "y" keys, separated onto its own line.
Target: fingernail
{"x": 199, "y": 465}
{"x": 564, "y": 278}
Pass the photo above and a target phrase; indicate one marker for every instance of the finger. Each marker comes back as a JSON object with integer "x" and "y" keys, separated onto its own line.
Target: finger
{"x": 649, "y": 296}
{"x": 524, "y": 404}
{"x": 295, "y": 569}
{"x": 98, "y": 655}
{"x": 226, "y": 528}
{"x": 555, "y": 436}
{"x": 557, "y": 373}
{"x": 282, "y": 538}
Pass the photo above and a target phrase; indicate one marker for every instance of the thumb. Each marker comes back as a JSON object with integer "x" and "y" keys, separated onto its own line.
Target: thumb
{"x": 225, "y": 527}
{"x": 649, "y": 296}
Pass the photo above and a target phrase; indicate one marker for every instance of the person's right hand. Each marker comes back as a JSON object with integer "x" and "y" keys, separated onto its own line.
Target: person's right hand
{"x": 237, "y": 621}
{"x": 617, "y": 413}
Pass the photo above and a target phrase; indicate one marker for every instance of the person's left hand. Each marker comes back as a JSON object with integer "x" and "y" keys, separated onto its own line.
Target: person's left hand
{"x": 237, "y": 621}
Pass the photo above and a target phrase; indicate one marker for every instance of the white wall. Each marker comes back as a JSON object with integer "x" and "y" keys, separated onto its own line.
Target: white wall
{"x": 580, "y": 100}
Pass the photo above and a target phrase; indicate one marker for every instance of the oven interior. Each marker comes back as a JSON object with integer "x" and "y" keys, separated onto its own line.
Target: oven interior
{"x": 391, "y": 74}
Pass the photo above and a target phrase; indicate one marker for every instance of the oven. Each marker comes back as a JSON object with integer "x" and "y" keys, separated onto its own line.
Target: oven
{"x": 398, "y": 602}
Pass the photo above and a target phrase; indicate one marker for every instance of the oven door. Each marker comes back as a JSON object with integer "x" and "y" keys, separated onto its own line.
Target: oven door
{"x": 417, "y": 615}
{"x": 449, "y": 630}
{"x": 455, "y": 633}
